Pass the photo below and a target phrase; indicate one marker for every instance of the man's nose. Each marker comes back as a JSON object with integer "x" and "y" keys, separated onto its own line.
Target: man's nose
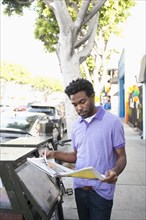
{"x": 79, "y": 108}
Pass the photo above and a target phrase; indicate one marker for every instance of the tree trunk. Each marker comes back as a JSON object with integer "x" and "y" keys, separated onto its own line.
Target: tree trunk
{"x": 70, "y": 69}
{"x": 73, "y": 48}
{"x": 69, "y": 65}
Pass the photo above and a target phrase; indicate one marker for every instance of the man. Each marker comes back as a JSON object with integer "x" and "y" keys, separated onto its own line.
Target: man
{"x": 98, "y": 141}
{"x": 107, "y": 105}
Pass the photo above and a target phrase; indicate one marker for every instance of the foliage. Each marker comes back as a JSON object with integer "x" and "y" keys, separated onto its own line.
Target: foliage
{"x": 47, "y": 30}
{"x": 82, "y": 71}
{"x": 43, "y": 83}
{"x": 80, "y": 35}
{"x": 90, "y": 63}
{"x": 19, "y": 74}
{"x": 15, "y": 72}
{"x": 111, "y": 14}
{"x": 14, "y": 6}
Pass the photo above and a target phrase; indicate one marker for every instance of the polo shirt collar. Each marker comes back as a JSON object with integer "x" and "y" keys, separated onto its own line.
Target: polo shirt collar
{"x": 99, "y": 115}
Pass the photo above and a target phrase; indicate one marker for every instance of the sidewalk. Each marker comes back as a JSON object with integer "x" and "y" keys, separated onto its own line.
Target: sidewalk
{"x": 130, "y": 196}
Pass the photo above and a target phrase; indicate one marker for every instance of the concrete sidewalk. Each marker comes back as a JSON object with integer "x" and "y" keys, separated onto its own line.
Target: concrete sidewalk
{"x": 130, "y": 196}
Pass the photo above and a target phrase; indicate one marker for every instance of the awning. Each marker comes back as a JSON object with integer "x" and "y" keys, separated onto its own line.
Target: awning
{"x": 142, "y": 74}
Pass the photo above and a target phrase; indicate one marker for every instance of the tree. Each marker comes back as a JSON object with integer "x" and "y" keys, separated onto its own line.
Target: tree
{"x": 76, "y": 37}
{"x": 71, "y": 32}
{"x": 77, "y": 28}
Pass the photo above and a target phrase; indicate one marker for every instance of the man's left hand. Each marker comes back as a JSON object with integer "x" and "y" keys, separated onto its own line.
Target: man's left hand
{"x": 110, "y": 177}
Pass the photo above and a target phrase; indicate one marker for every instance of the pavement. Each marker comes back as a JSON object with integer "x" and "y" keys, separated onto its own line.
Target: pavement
{"x": 130, "y": 195}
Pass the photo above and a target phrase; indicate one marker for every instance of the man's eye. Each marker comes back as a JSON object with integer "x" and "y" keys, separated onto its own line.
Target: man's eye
{"x": 83, "y": 101}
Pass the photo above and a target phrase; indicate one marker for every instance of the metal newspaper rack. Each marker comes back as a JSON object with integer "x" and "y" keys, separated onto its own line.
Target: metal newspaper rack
{"x": 26, "y": 192}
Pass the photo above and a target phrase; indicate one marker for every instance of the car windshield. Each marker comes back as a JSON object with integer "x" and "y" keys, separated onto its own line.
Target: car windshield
{"x": 46, "y": 109}
{"x": 15, "y": 121}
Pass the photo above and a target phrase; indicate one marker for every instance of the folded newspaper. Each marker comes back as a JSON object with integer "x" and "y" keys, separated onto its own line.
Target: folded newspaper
{"x": 56, "y": 170}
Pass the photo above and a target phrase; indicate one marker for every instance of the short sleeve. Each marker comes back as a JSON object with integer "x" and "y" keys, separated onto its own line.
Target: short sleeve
{"x": 118, "y": 134}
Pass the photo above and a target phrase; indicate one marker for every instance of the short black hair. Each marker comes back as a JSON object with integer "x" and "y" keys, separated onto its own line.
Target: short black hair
{"x": 79, "y": 85}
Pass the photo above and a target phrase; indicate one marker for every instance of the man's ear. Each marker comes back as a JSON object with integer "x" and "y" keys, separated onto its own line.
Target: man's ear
{"x": 93, "y": 97}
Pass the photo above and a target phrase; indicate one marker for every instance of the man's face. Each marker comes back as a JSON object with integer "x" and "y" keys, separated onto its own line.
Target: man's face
{"x": 83, "y": 104}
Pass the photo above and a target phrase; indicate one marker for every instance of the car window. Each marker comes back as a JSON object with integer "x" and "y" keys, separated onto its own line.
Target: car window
{"x": 48, "y": 109}
{"x": 18, "y": 122}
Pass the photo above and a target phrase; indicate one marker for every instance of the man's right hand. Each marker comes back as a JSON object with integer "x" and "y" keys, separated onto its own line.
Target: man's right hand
{"x": 48, "y": 154}
{"x": 69, "y": 157}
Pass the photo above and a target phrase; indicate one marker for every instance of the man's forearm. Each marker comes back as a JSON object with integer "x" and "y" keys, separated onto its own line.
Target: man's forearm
{"x": 65, "y": 157}
{"x": 120, "y": 165}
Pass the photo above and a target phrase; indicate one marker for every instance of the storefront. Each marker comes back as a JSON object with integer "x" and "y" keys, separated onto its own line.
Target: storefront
{"x": 141, "y": 79}
{"x": 135, "y": 110}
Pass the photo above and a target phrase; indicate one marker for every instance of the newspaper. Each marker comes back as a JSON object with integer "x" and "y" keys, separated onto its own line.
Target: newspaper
{"x": 56, "y": 170}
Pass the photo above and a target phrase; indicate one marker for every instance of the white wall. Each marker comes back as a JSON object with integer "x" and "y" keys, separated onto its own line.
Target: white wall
{"x": 134, "y": 42}
{"x": 135, "y": 49}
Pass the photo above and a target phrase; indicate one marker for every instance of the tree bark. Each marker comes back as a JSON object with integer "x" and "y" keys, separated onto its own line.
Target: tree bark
{"x": 74, "y": 47}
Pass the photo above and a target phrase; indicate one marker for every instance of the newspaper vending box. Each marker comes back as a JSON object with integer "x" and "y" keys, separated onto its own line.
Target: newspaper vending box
{"x": 26, "y": 193}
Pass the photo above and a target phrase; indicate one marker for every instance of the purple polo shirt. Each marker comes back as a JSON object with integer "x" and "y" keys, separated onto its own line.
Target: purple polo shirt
{"x": 95, "y": 143}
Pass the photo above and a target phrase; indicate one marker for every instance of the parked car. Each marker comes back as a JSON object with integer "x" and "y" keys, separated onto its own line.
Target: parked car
{"x": 53, "y": 114}
{"x": 23, "y": 124}
{"x": 20, "y": 108}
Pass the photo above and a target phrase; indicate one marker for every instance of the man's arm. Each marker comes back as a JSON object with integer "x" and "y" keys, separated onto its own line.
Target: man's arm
{"x": 112, "y": 175}
{"x": 69, "y": 157}
{"x": 121, "y": 161}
